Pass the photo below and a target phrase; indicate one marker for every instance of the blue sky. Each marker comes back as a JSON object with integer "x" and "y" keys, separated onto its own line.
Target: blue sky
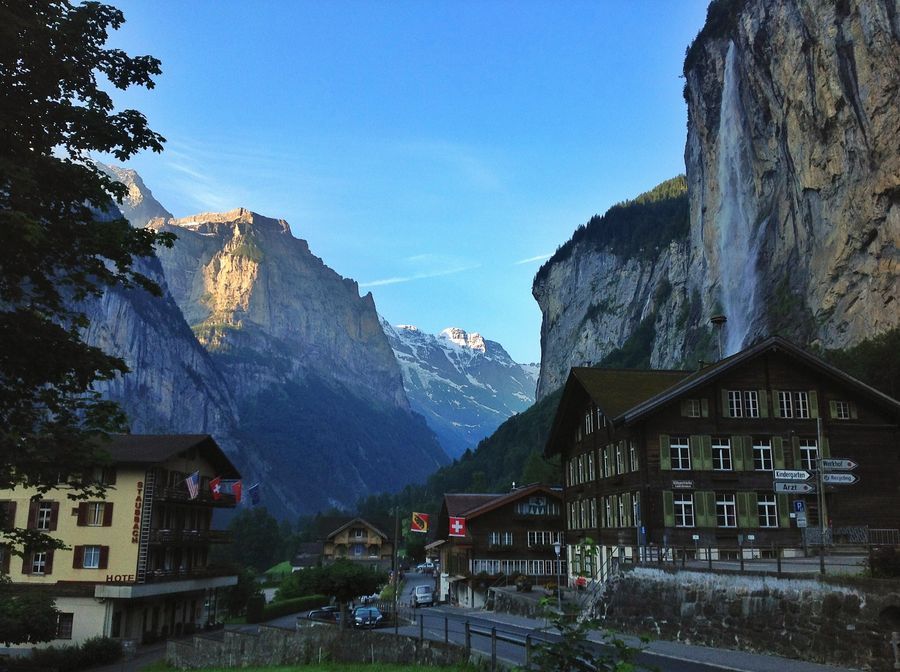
{"x": 436, "y": 152}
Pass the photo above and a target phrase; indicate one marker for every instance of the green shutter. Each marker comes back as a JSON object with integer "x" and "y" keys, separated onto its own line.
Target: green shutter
{"x": 784, "y": 511}
{"x": 826, "y": 449}
{"x": 813, "y": 404}
{"x": 665, "y": 453}
{"x": 743, "y": 510}
{"x": 699, "y": 509}
{"x": 763, "y": 404}
{"x": 737, "y": 454}
{"x": 795, "y": 443}
{"x": 832, "y": 409}
{"x": 778, "y": 452}
{"x": 753, "y": 509}
{"x": 776, "y": 407}
{"x": 704, "y": 408}
{"x": 748, "y": 452}
{"x": 668, "y": 509}
{"x": 696, "y": 453}
{"x": 854, "y": 414}
{"x": 706, "y": 451}
{"x": 726, "y": 408}
{"x": 628, "y": 510}
{"x": 710, "y": 498}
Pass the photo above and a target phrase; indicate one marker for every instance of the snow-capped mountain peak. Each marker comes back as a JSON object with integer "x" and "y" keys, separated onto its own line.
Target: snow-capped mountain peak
{"x": 463, "y": 339}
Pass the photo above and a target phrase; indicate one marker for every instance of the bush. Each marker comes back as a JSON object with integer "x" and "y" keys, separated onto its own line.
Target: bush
{"x": 256, "y": 605}
{"x": 884, "y": 562}
{"x": 93, "y": 652}
{"x": 284, "y": 607}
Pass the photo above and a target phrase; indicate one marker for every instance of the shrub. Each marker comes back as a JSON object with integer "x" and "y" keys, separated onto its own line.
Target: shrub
{"x": 884, "y": 562}
{"x": 255, "y": 607}
{"x": 98, "y": 651}
{"x": 93, "y": 652}
{"x": 284, "y": 607}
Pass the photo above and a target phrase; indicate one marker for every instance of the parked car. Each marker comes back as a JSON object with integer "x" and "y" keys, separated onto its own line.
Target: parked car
{"x": 423, "y": 596}
{"x": 425, "y": 567}
{"x": 367, "y": 617}
{"x": 328, "y": 614}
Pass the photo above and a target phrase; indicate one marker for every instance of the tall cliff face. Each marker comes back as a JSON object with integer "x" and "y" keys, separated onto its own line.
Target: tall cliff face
{"x": 793, "y": 167}
{"x": 317, "y": 388}
{"x": 464, "y": 386}
{"x": 793, "y": 185}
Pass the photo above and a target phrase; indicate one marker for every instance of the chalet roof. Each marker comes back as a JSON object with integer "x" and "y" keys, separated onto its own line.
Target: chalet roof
{"x": 617, "y": 390}
{"x": 473, "y": 505}
{"x": 145, "y": 449}
{"x": 328, "y": 526}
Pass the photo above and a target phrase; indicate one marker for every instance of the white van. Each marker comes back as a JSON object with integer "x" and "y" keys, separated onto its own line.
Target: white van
{"x": 423, "y": 596}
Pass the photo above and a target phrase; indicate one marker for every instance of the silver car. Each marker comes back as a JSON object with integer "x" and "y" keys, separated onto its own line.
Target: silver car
{"x": 423, "y": 596}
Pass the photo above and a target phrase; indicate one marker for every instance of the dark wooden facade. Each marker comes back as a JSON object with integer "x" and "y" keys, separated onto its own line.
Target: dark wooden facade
{"x": 633, "y": 464}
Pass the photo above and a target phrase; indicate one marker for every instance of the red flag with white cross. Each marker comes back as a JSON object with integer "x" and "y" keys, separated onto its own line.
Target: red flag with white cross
{"x": 457, "y": 527}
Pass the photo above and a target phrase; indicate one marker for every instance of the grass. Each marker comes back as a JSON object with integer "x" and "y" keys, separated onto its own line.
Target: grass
{"x": 161, "y": 666}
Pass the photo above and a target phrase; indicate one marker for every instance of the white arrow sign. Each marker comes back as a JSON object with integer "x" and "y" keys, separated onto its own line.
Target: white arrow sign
{"x": 836, "y": 463}
{"x": 791, "y": 475}
{"x": 840, "y": 479}
{"x": 797, "y": 488}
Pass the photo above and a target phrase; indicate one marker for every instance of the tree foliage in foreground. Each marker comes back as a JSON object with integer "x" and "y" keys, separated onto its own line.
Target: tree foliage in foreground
{"x": 26, "y": 618}
{"x": 62, "y": 241}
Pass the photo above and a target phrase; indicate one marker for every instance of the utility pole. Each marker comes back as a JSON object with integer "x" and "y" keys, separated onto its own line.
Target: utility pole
{"x": 820, "y": 487}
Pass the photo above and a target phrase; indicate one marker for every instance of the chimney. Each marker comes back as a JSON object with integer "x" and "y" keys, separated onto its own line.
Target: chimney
{"x": 718, "y": 322}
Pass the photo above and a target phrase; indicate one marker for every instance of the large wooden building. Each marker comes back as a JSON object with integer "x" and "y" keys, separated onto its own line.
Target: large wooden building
{"x": 505, "y": 535}
{"x": 656, "y": 460}
{"x": 137, "y": 563}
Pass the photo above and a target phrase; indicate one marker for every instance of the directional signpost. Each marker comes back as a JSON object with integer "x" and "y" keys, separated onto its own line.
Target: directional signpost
{"x": 839, "y": 479}
{"x": 792, "y": 475}
{"x": 795, "y": 488}
{"x": 836, "y": 464}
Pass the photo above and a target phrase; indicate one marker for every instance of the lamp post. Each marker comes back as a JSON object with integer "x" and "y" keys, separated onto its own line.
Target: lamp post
{"x": 557, "y": 547}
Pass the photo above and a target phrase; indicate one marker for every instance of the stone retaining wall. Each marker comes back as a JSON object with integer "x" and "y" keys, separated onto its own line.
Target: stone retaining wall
{"x": 277, "y": 646}
{"x": 796, "y": 618}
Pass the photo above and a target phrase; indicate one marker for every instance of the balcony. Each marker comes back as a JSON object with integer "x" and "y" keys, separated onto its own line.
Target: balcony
{"x": 182, "y": 574}
{"x": 179, "y": 493}
{"x": 167, "y": 536}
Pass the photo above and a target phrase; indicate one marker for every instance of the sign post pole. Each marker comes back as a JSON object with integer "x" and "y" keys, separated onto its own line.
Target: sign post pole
{"x": 820, "y": 473}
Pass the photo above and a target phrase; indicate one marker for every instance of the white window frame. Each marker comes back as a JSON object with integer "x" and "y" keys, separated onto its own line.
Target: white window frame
{"x": 735, "y": 404}
{"x": 493, "y": 538}
{"x": 801, "y": 405}
{"x": 680, "y": 453}
{"x": 632, "y": 455}
{"x": 606, "y": 465}
{"x": 693, "y": 408}
{"x": 785, "y": 404}
{"x": 684, "y": 509}
{"x": 506, "y": 539}
{"x": 593, "y": 513}
{"x": 842, "y": 410}
{"x": 91, "y": 557}
{"x": 809, "y": 453}
{"x": 38, "y": 562}
{"x": 763, "y": 457}
{"x": 620, "y": 459}
{"x": 609, "y": 509}
{"x": 767, "y": 507}
{"x": 44, "y": 515}
{"x": 726, "y": 510}
{"x": 751, "y": 403}
{"x": 721, "y": 455}
{"x": 591, "y": 473}
{"x": 620, "y": 502}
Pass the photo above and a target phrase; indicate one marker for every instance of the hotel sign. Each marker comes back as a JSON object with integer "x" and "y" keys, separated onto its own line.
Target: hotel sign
{"x": 138, "y": 505}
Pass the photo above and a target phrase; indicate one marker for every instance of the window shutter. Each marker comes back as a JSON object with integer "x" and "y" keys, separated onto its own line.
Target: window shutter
{"x": 48, "y": 567}
{"x": 711, "y": 507}
{"x": 104, "y": 557}
{"x": 696, "y": 452}
{"x": 78, "y": 557}
{"x": 54, "y": 515}
{"x": 726, "y": 408}
{"x": 110, "y": 475}
{"x": 684, "y": 407}
{"x": 668, "y": 509}
{"x": 704, "y": 408}
{"x": 107, "y": 514}
{"x": 776, "y": 405}
{"x": 33, "y": 507}
{"x": 9, "y": 516}
{"x": 854, "y": 414}
{"x": 826, "y": 449}
{"x": 700, "y": 509}
{"x": 665, "y": 454}
{"x": 832, "y": 409}
{"x": 763, "y": 404}
{"x": 737, "y": 454}
{"x": 743, "y": 506}
{"x": 706, "y": 451}
{"x": 752, "y": 509}
{"x": 778, "y": 452}
{"x": 813, "y": 404}
{"x": 795, "y": 444}
{"x": 82, "y": 514}
{"x": 784, "y": 511}
{"x": 27, "y": 559}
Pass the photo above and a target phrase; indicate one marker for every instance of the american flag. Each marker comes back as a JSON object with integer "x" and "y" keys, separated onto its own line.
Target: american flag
{"x": 193, "y": 484}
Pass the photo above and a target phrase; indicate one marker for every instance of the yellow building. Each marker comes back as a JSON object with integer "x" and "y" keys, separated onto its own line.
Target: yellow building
{"x": 137, "y": 565}
{"x": 357, "y": 539}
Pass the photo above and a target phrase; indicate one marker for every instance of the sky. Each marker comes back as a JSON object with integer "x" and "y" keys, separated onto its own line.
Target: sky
{"x": 435, "y": 152}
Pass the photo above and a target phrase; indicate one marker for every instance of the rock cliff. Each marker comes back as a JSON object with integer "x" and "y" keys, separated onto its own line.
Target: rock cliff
{"x": 464, "y": 385}
{"x": 793, "y": 185}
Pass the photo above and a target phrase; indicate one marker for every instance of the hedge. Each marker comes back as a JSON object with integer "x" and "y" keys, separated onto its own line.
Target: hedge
{"x": 285, "y": 607}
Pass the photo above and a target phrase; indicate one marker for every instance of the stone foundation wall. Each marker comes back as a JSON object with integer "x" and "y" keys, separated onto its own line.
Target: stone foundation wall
{"x": 276, "y": 646}
{"x": 796, "y": 618}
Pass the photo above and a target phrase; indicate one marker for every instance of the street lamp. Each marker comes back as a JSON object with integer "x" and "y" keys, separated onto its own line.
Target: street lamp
{"x": 557, "y": 547}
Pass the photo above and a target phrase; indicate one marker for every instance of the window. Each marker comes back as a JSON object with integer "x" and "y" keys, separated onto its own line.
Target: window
{"x": 680, "y": 453}
{"x": 684, "y": 510}
{"x": 607, "y": 472}
{"x": 735, "y": 407}
{"x": 801, "y": 404}
{"x": 500, "y": 538}
{"x": 506, "y": 539}
{"x": 632, "y": 455}
{"x": 726, "y": 512}
{"x": 841, "y": 410}
{"x": 620, "y": 458}
{"x": 91, "y": 557}
{"x": 581, "y": 469}
{"x": 692, "y": 408}
{"x": 762, "y": 455}
{"x": 588, "y": 422}
{"x": 785, "y": 405}
{"x": 593, "y": 513}
{"x": 590, "y": 466}
{"x": 721, "y": 454}
{"x": 621, "y": 515}
{"x": 45, "y": 512}
{"x": 494, "y": 539}
{"x": 543, "y": 538}
{"x": 38, "y": 562}
{"x": 636, "y": 508}
{"x": 64, "y": 622}
{"x": 537, "y": 506}
{"x": 808, "y": 453}
{"x": 751, "y": 403}
{"x": 768, "y": 511}
{"x": 358, "y": 533}
{"x": 95, "y": 514}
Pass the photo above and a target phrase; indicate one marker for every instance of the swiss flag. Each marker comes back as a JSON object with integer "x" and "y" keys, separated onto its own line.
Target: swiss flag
{"x": 215, "y": 486}
{"x": 457, "y": 527}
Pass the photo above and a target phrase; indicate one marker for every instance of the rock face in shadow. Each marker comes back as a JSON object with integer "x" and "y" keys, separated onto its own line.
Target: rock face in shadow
{"x": 793, "y": 185}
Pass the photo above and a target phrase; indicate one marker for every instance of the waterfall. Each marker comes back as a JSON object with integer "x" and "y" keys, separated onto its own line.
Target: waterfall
{"x": 736, "y": 219}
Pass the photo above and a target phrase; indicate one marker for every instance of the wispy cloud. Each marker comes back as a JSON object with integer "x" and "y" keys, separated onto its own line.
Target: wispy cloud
{"x": 530, "y": 260}
{"x": 424, "y": 266}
